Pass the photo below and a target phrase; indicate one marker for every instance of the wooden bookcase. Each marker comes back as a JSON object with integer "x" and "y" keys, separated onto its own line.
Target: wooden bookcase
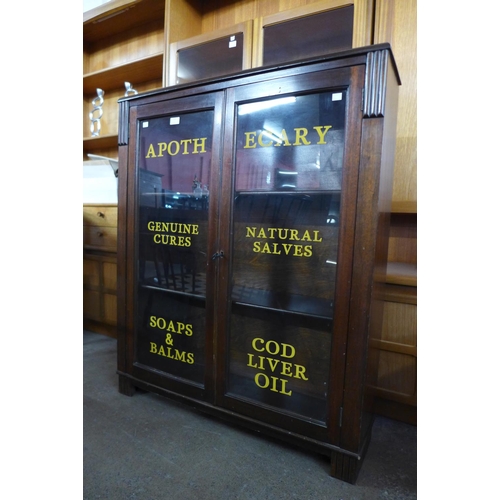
{"x": 254, "y": 214}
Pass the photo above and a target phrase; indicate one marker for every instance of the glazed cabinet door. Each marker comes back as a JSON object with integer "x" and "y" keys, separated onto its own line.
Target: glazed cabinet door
{"x": 291, "y": 167}
{"x": 173, "y": 213}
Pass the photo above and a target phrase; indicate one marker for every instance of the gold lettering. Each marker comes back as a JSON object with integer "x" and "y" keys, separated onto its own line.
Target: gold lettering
{"x": 250, "y": 361}
{"x": 300, "y": 372}
{"x": 257, "y": 378}
{"x": 185, "y": 143}
{"x": 284, "y": 138}
{"x": 177, "y": 148}
{"x": 257, "y": 138}
{"x": 283, "y": 386}
{"x": 162, "y": 146}
{"x": 284, "y": 350}
{"x": 250, "y": 140}
{"x": 273, "y": 362}
{"x": 264, "y": 144}
{"x": 286, "y": 368}
{"x": 271, "y": 230}
{"x": 254, "y": 341}
{"x": 322, "y": 133}
{"x": 199, "y": 143}
{"x": 151, "y": 152}
{"x": 180, "y": 356}
{"x": 265, "y": 248}
{"x": 300, "y": 136}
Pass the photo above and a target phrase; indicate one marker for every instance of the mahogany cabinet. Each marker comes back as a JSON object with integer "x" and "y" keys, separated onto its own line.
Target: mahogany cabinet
{"x": 252, "y": 246}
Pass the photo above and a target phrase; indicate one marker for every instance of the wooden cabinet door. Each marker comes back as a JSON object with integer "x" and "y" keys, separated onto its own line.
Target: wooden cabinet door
{"x": 288, "y": 253}
{"x": 174, "y": 197}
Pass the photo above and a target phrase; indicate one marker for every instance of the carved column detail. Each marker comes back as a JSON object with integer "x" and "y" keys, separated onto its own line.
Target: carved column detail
{"x": 375, "y": 83}
{"x": 123, "y": 110}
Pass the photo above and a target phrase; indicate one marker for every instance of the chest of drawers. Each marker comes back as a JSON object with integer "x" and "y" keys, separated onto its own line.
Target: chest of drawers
{"x": 99, "y": 268}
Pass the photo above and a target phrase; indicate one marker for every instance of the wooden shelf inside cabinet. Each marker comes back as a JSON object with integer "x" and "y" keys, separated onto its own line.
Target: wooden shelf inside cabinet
{"x": 144, "y": 70}
{"x": 118, "y": 16}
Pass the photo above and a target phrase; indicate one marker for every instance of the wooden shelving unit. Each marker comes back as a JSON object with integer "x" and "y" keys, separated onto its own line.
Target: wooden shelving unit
{"x": 123, "y": 41}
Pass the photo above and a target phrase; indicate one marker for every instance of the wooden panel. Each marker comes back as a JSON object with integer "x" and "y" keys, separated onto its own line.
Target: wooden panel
{"x": 396, "y": 23}
{"x": 185, "y": 20}
{"x": 404, "y": 207}
{"x": 397, "y": 377}
{"x": 218, "y": 15}
{"x": 104, "y": 145}
{"x": 109, "y": 275}
{"x": 90, "y": 273}
{"x": 403, "y": 239}
{"x": 397, "y": 372}
{"x": 91, "y": 305}
{"x": 109, "y": 309}
{"x": 401, "y": 273}
{"x": 100, "y": 237}
{"x": 400, "y": 324}
{"x": 100, "y": 215}
{"x": 400, "y": 293}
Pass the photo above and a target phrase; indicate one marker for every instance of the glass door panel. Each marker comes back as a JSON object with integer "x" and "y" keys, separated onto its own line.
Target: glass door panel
{"x": 173, "y": 184}
{"x": 320, "y": 33}
{"x": 285, "y": 227}
{"x": 210, "y": 59}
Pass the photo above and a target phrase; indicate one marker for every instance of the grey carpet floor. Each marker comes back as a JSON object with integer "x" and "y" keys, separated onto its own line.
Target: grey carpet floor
{"x": 146, "y": 447}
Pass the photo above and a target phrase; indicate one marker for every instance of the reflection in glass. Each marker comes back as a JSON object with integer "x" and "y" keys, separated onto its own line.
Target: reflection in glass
{"x": 320, "y": 34}
{"x": 288, "y": 178}
{"x": 291, "y": 143}
{"x": 210, "y": 59}
{"x": 173, "y": 199}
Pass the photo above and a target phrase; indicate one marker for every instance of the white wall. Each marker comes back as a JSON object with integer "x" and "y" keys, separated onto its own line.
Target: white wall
{"x": 90, "y": 4}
